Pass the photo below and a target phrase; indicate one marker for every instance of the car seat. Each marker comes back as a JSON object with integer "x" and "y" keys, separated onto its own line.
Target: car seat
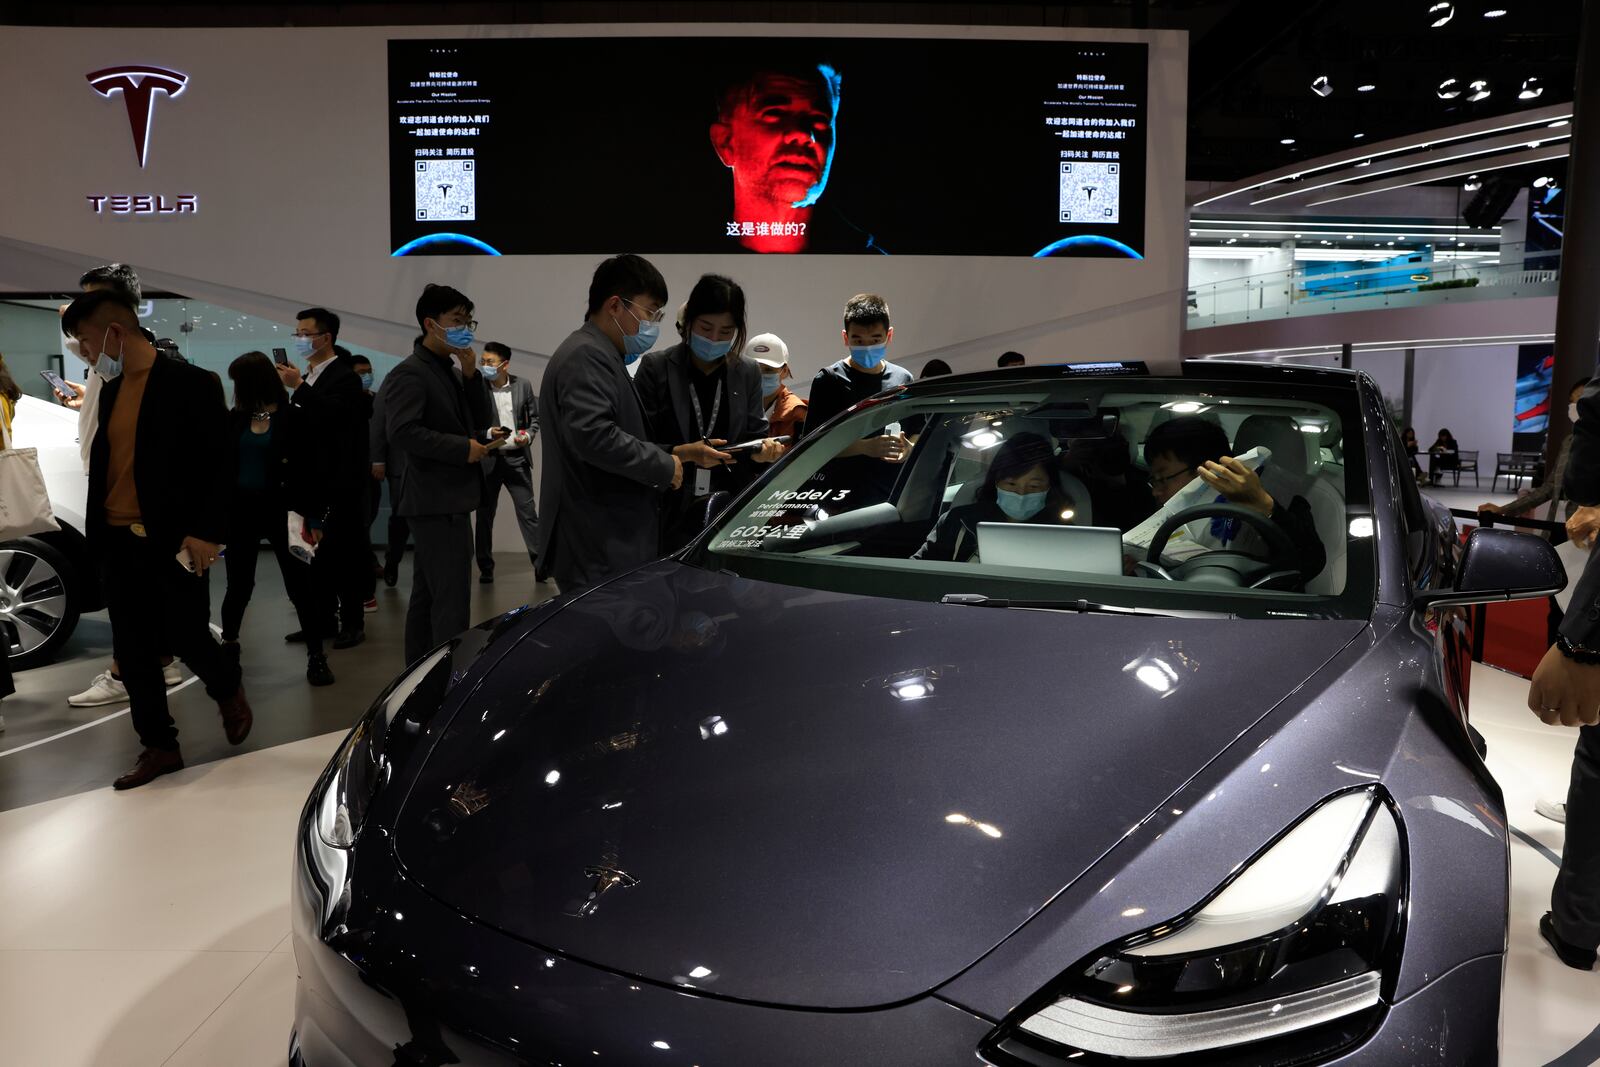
{"x": 1290, "y": 472}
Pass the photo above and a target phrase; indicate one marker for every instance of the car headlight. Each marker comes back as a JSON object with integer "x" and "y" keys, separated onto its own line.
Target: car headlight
{"x": 365, "y": 760}
{"x": 1293, "y": 950}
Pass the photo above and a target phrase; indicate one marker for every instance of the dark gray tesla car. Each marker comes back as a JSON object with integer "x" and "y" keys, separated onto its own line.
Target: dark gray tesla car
{"x": 891, "y": 768}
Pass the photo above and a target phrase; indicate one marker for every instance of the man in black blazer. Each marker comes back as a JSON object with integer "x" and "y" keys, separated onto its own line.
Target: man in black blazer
{"x": 1566, "y": 692}
{"x": 511, "y": 465}
{"x": 333, "y": 411}
{"x": 436, "y": 408}
{"x": 159, "y": 485}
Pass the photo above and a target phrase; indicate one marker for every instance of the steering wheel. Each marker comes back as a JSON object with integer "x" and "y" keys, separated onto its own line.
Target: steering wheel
{"x": 1225, "y": 567}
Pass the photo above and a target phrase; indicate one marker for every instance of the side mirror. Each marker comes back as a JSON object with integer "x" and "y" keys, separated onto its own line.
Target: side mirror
{"x": 714, "y": 505}
{"x": 1499, "y": 565}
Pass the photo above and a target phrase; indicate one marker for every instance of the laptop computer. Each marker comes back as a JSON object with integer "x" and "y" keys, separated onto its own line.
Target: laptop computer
{"x": 1081, "y": 549}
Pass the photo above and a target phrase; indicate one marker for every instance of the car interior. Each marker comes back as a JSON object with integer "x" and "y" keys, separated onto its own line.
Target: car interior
{"x": 1099, "y": 471}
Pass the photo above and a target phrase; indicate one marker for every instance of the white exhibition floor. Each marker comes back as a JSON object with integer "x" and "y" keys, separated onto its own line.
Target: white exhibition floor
{"x": 150, "y": 929}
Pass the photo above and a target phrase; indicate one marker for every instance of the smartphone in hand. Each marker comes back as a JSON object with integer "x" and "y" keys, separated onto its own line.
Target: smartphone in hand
{"x": 59, "y": 384}
{"x": 280, "y": 356}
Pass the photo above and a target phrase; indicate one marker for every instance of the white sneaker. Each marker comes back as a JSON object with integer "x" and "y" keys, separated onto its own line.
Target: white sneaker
{"x": 1554, "y": 810}
{"x": 103, "y": 690}
{"x": 171, "y": 674}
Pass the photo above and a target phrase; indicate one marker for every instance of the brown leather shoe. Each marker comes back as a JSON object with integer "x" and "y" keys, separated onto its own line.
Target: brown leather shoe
{"x": 152, "y": 764}
{"x": 236, "y": 717}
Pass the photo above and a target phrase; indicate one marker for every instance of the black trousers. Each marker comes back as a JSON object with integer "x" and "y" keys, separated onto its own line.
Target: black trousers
{"x": 441, "y": 581}
{"x": 256, "y": 516}
{"x": 1575, "y": 900}
{"x": 157, "y": 607}
{"x": 518, "y": 481}
{"x": 341, "y": 572}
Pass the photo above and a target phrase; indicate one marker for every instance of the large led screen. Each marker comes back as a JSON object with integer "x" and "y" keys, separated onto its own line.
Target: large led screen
{"x": 767, "y": 145}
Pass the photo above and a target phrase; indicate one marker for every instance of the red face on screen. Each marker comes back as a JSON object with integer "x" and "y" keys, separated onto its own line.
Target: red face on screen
{"x": 776, "y": 138}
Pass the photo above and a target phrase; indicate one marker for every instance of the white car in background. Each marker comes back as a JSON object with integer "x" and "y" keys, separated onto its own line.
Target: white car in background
{"x": 47, "y": 580}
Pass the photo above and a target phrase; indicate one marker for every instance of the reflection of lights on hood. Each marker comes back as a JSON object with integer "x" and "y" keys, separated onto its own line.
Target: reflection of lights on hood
{"x": 1067, "y": 514}
{"x": 700, "y": 972}
{"x": 552, "y": 778}
{"x": 1132, "y": 913}
{"x": 660, "y": 1045}
{"x": 911, "y": 690}
{"x": 1361, "y": 527}
{"x": 981, "y": 439}
{"x": 1186, "y": 407}
{"x": 713, "y": 726}
{"x": 986, "y": 829}
{"x": 1153, "y": 673}
{"x": 1152, "y": 676}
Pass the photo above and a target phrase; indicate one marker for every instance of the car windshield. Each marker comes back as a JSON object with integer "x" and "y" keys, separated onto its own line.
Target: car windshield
{"x": 1135, "y": 494}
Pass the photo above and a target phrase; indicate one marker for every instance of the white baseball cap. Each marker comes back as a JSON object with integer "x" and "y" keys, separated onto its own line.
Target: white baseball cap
{"x": 768, "y": 350}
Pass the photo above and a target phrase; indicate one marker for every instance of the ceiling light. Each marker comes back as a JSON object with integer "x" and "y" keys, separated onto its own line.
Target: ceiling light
{"x": 1366, "y": 87}
{"x": 1441, "y": 13}
{"x": 1532, "y": 89}
{"x": 1540, "y": 183}
{"x": 1322, "y": 86}
{"x": 1286, "y": 140}
{"x": 1449, "y": 89}
{"x": 1494, "y": 12}
{"x": 1358, "y": 136}
{"x": 1480, "y": 91}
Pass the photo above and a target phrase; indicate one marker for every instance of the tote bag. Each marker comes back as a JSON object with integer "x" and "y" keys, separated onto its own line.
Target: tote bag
{"x": 24, "y": 502}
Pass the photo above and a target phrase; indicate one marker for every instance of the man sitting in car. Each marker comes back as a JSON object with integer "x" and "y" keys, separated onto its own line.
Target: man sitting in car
{"x": 1189, "y": 447}
{"x": 1019, "y": 487}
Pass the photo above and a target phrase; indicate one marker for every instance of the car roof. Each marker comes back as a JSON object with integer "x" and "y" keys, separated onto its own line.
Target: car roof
{"x": 1192, "y": 369}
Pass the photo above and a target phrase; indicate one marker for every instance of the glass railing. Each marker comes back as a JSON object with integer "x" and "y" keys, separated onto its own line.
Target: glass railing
{"x": 1311, "y": 289}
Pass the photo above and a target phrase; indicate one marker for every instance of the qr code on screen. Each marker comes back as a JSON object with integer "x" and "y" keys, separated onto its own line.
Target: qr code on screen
{"x": 447, "y": 190}
{"x": 1091, "y": 192}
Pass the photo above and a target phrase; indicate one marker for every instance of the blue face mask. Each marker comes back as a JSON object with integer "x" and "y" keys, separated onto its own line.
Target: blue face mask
{"x": 303, "y": 346}
{"x": 635, "y": 345}
{"x": 492, "y": 373}
{"x": 366, "y": 381}
{"x": 459, "y": 336}
{"x": 707, "y": 350}
{"x": 771, "y": 383}
{"x": 107, "y": 367}
{"x": 869, "y": 356}
{"x": 1020, "y": 505}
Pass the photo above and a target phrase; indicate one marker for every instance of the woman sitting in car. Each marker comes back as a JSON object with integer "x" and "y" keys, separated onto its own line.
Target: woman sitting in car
{"x": 1018, "y": 488}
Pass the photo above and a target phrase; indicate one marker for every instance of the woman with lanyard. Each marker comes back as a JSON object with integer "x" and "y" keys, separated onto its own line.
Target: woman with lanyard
{"x": 702, "y": 390}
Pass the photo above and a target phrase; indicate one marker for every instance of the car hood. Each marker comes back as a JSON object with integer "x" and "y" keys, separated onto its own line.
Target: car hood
{"x": 817, "y": 799}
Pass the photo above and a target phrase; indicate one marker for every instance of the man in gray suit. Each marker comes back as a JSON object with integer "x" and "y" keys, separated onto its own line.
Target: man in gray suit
{"x": 435, "y": 409}
{"x": 511, "y": 466}
{"x": 602, "y": 479}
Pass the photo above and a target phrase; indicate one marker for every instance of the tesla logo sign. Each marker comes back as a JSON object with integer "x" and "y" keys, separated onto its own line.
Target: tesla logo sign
{"x": 138, "y": 86}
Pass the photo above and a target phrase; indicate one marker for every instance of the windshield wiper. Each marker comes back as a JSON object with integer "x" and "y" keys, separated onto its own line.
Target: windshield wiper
{"x": 1083, "y": 607}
